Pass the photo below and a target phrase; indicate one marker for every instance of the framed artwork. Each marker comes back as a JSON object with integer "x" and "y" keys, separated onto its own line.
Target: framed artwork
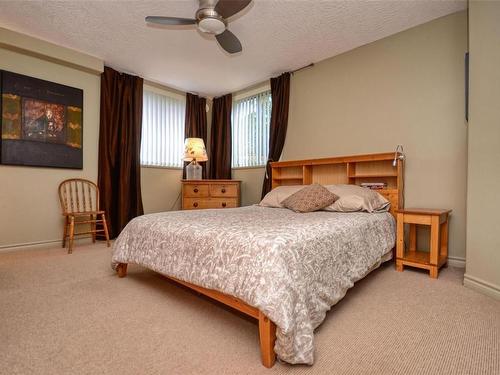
{"x": 42, "y": 123}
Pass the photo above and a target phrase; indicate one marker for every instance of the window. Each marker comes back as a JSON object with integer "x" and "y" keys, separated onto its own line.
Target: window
{"x": 250, "y": 130}
{"x": 162, "y": 130}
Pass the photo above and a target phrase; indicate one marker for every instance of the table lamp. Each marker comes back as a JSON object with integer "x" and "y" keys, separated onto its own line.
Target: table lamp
{"x": 194, "y": 151}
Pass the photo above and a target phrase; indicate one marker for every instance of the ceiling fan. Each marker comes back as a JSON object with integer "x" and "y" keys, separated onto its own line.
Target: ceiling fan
{"x": 210, "y": 18}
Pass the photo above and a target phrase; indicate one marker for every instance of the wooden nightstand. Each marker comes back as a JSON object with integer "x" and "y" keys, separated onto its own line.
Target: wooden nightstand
{"x": 200, "y": 194}
{"x": 438, "y": 255}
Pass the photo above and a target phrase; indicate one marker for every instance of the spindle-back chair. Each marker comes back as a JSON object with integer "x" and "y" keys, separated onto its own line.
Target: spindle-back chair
{"x": 80, "y": 199}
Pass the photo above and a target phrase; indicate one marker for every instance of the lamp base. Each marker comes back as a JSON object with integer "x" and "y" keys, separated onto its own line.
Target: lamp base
{"x": 194, "y": 171}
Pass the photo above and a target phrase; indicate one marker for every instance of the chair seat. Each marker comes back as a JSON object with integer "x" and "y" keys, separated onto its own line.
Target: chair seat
{"x": 83, "y": 213}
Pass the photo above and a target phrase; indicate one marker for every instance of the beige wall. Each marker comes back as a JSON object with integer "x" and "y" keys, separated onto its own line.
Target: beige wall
{"x": 251, "y": 184}
{"x": 161, "y": 188}
{"x": 483, "y": 200}
{"x": 29, "y": 207}
{"x": 405, "y": 89}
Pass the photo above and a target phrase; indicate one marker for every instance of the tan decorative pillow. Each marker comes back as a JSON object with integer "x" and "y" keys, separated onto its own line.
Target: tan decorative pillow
{"x": 310, "y": 198}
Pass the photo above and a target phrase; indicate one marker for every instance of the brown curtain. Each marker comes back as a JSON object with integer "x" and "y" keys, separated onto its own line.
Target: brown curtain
{"x": 119, "y": 148}
{"x": 280, "y": 93}
{"x": 220, "y": 138}
{"x": 196, "y": 123}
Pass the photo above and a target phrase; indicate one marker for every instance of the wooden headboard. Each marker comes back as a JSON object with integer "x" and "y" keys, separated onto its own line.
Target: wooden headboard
{"x": 345, "y": 170}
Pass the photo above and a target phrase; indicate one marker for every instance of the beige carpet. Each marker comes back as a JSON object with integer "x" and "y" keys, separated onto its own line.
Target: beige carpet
{"x": 70, "y": 314}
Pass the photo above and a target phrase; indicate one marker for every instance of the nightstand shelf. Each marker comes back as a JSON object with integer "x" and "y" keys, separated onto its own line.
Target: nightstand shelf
{"x": 432, "y": 260}
{"x": 421, "y": 258}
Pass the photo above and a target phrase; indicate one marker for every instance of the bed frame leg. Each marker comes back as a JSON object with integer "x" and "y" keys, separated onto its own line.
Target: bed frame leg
{"x": 267, "y": 333}
{"x": 122, "y": 269}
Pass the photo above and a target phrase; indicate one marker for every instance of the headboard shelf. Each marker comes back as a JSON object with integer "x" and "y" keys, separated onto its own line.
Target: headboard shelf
{"x": 372, "y": 175}
{"x": 288, "y": 178}
{"x": 355, "y": 170}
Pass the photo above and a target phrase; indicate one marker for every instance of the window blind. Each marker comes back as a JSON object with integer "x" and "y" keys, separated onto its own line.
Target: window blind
{"x": 251, "y": 117}
{"x": 162, "y": 130}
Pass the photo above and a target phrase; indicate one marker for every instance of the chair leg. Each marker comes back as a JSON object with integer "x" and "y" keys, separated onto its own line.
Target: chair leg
{"x": 71, "y": 233}
{"x": 93, "y": 226}
{"x": 65, "y": 234}
{"x": 105, "y": 227}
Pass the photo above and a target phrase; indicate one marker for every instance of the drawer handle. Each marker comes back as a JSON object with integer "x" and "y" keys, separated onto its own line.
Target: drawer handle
{"x": 223, "y": 190}
{"x": 195, "y": 190}
{"x": 195, "y": 204}
{"x": 223, "y": 204}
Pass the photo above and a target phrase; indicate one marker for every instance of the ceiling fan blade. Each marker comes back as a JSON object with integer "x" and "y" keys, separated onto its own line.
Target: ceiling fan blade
{"x": 173, "y": 21}
{"x": 227, "y": 8}
{"x": 229, "y": 42}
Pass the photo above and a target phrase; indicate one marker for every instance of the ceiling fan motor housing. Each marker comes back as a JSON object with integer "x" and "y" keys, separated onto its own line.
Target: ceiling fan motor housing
{"x": 209, "y": 21}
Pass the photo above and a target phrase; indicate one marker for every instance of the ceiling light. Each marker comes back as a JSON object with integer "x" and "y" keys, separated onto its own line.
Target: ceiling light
{"x": 212, "y": 25}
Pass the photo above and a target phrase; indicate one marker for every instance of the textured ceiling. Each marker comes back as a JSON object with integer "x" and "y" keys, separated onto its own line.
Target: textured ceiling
{"x": 277, "y": 35}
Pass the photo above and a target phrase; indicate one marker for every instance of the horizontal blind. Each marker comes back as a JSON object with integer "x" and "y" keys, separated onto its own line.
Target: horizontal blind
{"x": 251, "y": 117}
{"x": 162, "y": 141}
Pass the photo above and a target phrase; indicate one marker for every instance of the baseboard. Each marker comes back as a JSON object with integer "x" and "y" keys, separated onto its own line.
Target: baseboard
{"x": 458, "y": 262}
{"x": 37, "y": 245}
{"x": 482, "y": 286}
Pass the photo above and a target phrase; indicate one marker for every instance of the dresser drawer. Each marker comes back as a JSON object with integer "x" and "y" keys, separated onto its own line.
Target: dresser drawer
{"x": 199, "y": 195}
{"x": 223, "y": 203}
{"x": 194, "y": 203}
{"x": 223, "y": 190}
{"x": 197, "y": 204}
{"x": 193, "y": 190}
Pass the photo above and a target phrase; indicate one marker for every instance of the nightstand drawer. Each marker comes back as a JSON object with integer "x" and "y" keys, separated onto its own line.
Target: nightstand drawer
{"x": 222, "y": 190}
{"x": 197, "y": 204}
{"x": 193, "y": 190}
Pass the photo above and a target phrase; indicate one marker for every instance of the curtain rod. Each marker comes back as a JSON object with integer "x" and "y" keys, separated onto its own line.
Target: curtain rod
{"x": 291, "y": 72}
{"x": 304, "y": 67}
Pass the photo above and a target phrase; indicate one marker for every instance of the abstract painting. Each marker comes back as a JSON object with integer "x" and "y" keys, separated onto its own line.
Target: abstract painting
{"x": 42, "y": 123}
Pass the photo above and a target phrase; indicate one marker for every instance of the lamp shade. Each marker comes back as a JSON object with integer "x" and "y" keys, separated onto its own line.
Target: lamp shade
{"x": 194, "y": 149}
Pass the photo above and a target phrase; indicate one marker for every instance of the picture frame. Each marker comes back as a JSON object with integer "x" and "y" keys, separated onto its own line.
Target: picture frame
{"x": 41, "y": 123}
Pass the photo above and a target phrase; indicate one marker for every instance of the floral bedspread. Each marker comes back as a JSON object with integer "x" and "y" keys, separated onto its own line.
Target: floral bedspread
{"x": 291, "y": 266}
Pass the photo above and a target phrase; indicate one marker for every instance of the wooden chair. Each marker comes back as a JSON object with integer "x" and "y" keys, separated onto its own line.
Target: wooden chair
{"x": 80, "y": 200}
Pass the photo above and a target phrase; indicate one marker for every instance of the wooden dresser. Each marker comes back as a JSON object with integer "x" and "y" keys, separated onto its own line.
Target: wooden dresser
{"x": 200, "y": 194}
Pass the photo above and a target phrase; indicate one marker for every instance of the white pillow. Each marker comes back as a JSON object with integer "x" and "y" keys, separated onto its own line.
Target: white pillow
{"x": 278, "y": 195}
{"x": 354, "y": 198}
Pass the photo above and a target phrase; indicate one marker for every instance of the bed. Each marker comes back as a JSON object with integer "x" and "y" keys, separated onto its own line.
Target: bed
{"x": 283, "y": 268}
